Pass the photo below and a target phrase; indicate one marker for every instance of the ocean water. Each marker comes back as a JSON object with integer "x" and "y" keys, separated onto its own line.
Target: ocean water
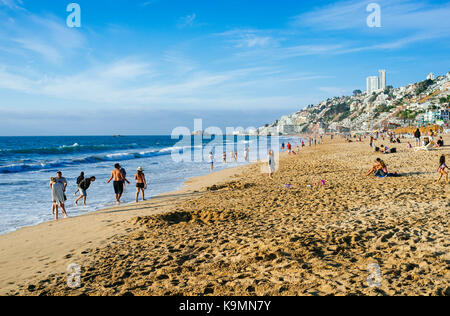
{"x": 28, "y": 163}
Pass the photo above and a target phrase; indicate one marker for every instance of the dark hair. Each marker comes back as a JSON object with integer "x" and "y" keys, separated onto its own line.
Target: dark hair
{"x": 442, "y": 160}
{"x": 82, "y": 174}
{"x": 383, "y": 164}
{"x": 93, "y": 178}
{"x": 117, "y": 165}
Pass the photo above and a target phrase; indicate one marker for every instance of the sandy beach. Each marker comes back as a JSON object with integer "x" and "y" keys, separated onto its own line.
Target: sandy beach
{"x": 236, "y": 232}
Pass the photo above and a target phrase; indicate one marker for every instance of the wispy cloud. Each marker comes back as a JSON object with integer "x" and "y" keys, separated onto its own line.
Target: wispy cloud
{"x": 53, "y": 42}
{"x": 187, "y": 21}
{"x": 249, "y": 38}
{"x": 397, "y": 15}
{"x": 12, "y": 4}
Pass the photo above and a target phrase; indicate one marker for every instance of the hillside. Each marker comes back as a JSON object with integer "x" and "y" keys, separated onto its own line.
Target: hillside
{"x": 365, "y": 112}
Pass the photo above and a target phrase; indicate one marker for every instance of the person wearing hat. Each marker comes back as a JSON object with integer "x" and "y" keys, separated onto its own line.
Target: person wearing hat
{"x": 141, "y": 183}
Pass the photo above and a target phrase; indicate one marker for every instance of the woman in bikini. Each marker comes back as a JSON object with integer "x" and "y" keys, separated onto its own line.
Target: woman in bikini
{"x": 141, "y": 183}
{"x": 379, "y": 169}
{"x": 442, "y": 167}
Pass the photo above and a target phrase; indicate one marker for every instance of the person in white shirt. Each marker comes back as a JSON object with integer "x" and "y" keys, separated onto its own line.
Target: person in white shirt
{"x": 211, "y": 161}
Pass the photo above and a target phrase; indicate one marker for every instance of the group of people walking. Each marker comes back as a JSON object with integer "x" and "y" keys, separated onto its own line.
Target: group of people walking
{"x": 58, "y": 187}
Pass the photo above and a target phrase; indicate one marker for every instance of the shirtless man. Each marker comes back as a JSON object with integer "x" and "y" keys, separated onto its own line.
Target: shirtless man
{"x": 119, "y": 180}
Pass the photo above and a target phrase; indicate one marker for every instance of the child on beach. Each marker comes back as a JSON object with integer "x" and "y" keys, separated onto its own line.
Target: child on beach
{"x": 441, "y": 170}
{"x": 141, "y": 183}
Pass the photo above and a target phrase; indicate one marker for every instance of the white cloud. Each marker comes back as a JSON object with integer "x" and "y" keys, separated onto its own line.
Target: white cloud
{"x": 249, "y": 38}
{"x": 187, "y": 21}
{"x": 12, "y": 4}
{"x": 48, "y": 37}
{"x": 396, "y": 16}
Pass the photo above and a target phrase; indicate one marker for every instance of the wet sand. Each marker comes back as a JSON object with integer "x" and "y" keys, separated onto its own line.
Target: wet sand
{"x": 237, "y": 232}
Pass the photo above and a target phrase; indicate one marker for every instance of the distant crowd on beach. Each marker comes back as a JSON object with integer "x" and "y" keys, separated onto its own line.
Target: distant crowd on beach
{"x": 431, "y": 140}
{"x": 58, "y": 187}
{"x": 58, "y": 184}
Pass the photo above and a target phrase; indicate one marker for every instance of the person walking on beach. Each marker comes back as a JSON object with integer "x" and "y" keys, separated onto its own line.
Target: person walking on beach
{"x": 63, "y": 181}
{"x": 58, "y": 197}
{"x": 211, "y": 162}
{"x": 83, "y": 187}
{"x": 119, "y": 180}
{"x": 246, "y": 154}
{"x": 141, "y": 183}
{"x": 289, "y": 148}
{"x": 79, "y": 179}
{"x": 283, "y": 146}
{"x": 124, "y": 174}
{"x": 271, "y": 164}
{"x": 224, "y": 157}
{"x": 442, "y": 167}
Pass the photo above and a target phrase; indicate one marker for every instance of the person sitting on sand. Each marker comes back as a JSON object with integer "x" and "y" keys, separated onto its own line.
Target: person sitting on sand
{"x": 141, "y": 183}
{"x": 379, "y": 169}
{"x": 58, "y": 197}
{"x": 442, "y": 167}
{"x": 440, "y": 142}
{"x": 83, "y": 187}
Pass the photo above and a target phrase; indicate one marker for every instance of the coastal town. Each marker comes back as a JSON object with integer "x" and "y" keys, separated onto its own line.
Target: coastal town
{"x": 380, "y": 107}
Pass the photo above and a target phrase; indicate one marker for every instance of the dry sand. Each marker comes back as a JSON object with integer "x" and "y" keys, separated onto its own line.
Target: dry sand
{"x": 238, "y": 233}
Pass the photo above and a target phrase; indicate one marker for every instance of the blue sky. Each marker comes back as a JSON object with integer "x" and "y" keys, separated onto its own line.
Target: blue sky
{"x": 148, "y": 66}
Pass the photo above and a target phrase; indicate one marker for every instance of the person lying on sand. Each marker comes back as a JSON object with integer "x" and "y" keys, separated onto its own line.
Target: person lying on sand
{"x": 441, "y": 170}
{"x": 379, "y": 169}
{"x": 387, "y": 150}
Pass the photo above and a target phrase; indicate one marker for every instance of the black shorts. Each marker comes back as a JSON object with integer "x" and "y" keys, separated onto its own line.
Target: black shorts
{"x": 118, "y": 187}
{"x": 140, "y": 185}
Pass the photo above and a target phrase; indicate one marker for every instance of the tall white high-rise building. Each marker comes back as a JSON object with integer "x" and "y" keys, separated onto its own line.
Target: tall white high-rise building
{"x": 372, "y": 84}
{"x": 430, "y": 76}
{"x": 382, "y": 83}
